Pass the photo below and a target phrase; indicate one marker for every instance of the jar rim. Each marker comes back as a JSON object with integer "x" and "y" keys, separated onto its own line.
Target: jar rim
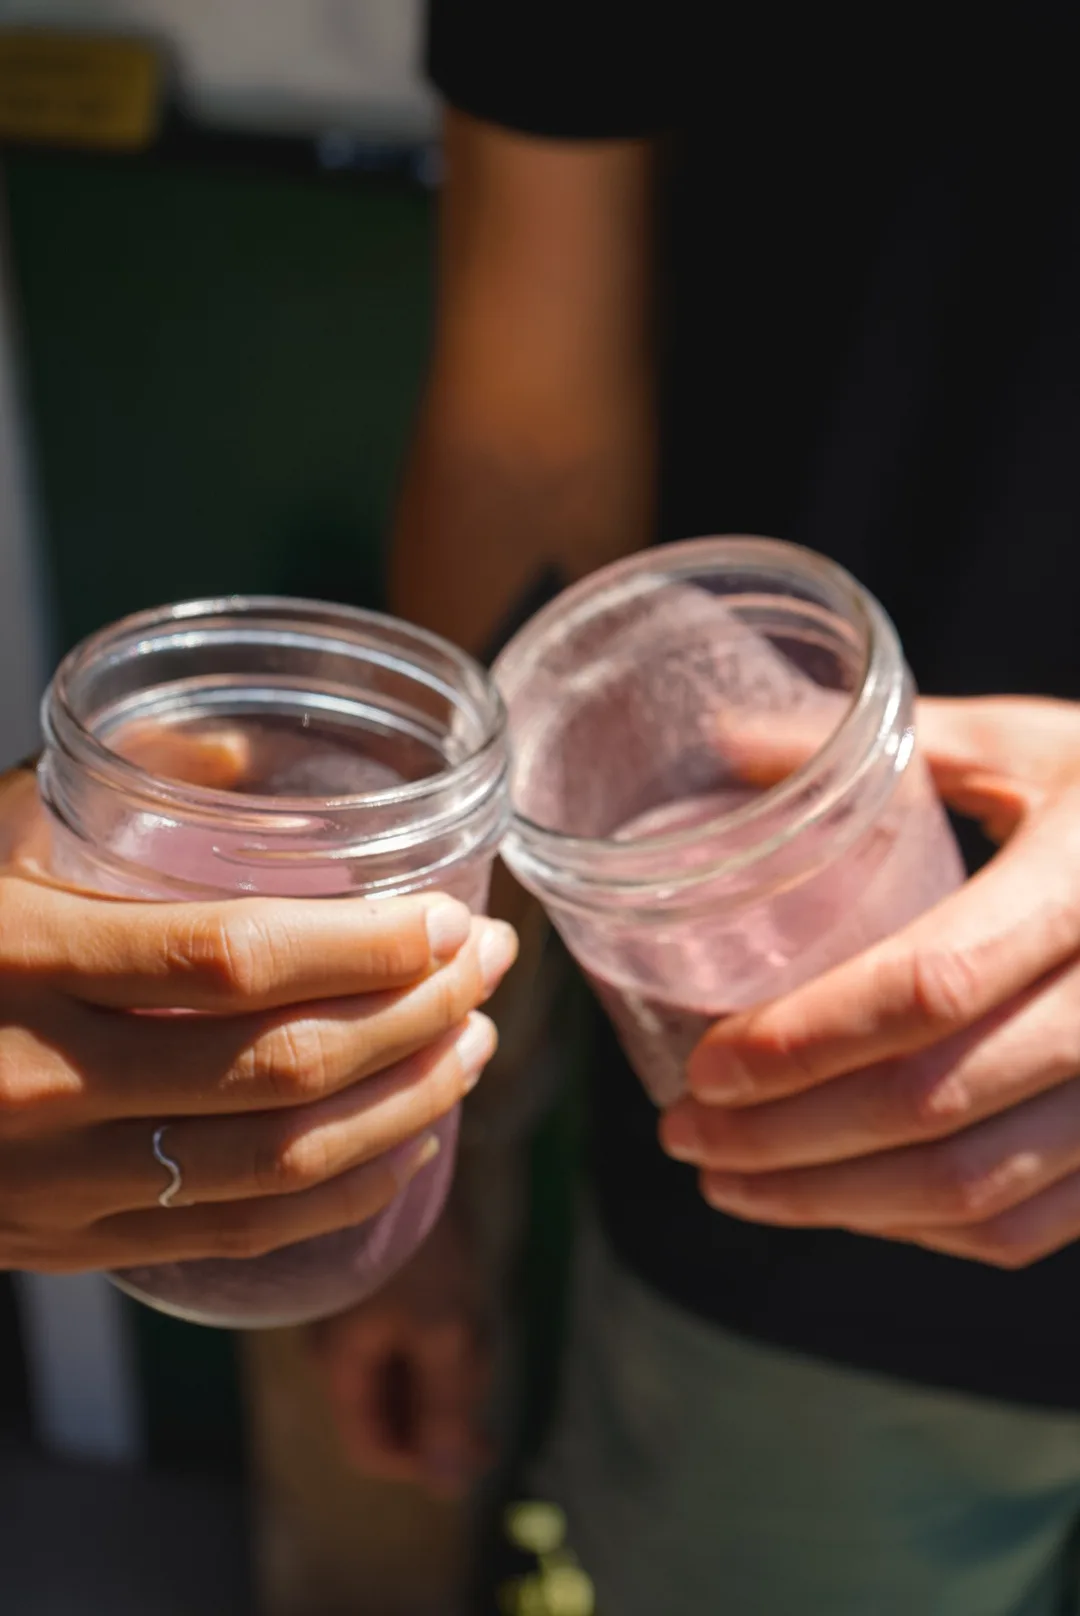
{"x": 65, "y": 729}
{"x": 863, "y": 730}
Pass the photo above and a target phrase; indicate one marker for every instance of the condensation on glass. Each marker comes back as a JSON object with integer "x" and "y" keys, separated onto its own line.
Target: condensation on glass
{"x": 716, "y": 790}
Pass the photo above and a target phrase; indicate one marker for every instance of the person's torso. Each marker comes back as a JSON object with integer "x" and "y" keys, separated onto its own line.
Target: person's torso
{"x": 870, "y": 344}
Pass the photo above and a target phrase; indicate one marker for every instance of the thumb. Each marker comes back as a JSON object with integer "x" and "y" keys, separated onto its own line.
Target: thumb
{"x": 763, "y": 748}
{"x": 995, "y": 759}
{"x": 212, "y": 756}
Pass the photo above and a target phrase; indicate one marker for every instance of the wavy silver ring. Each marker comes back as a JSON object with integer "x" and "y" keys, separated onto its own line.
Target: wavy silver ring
{"x": 176, "y": 1177}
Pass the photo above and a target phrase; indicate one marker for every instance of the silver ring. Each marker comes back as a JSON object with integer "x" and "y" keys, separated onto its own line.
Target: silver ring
{"x": 176, "y": 1177}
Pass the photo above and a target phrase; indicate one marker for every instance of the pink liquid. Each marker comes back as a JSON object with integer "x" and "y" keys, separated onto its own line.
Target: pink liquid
{"x": 645, "y": 715}
{"x": 320, "y": 1276}
{"x": 671, "y": 985}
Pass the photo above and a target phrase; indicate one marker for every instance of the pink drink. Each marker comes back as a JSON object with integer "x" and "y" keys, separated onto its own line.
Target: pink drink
{"x": 650, "y": 707}
{"x": 347, "y": 745}
{"x": 886, "y": 878}
{"x": 317, "y": 760}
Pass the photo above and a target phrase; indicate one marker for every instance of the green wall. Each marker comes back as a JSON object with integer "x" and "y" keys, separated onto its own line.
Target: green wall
{"x": 221, "y": 368}
{"x": 221, "y": 365}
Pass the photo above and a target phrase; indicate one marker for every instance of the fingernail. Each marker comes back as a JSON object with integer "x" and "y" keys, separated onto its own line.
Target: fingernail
{"x": 475, "y": 1048}
{"x": 498, "y": 951}
{"x": 425, "y": 1152}
{"x": 448, "y": 926}
{"x": 679, "y": 1137}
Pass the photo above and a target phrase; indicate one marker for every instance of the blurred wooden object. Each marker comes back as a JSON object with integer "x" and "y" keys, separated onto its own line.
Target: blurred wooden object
{"x": 327, "y": 1541}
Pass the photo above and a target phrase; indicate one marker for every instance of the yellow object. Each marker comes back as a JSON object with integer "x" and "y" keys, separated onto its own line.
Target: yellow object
{"x": 568, "y": 1592}
{"x": 78, "y": 90}
{"x": 537, "y": 1528}
{"x": 559, "y": 1587}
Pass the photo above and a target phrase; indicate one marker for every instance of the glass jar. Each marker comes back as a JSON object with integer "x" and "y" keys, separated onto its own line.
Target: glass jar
{"x": 716, "y": 793}
{"x": 370, "y": 759}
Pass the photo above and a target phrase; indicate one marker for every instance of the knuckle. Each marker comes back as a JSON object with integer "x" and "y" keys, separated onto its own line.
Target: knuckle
{"x": 910, "y": 1105}
{"x": 943, "y": 987}
{"x": 291, "y": 1162}
{"x": 393, "y": 958}
{"x": 236, "y": 953}
{"x": 767, "y": 1049}
{"x": 955, "y": 1185}
{"x": 291, "y": 1063}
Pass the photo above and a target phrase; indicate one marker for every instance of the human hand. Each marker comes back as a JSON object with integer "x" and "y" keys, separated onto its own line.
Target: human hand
{"x": 928, "y": 1089}
{"x": 331, "y": 1036}
{"x": 407, "y": 1372}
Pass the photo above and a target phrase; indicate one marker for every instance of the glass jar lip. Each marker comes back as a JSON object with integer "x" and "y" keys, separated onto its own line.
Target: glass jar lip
{"x": 63, "y": 727}
{"x": 865, "y": 719}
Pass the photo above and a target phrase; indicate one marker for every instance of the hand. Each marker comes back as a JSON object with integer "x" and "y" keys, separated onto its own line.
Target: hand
{"x": 407, "y": 1372}
{"x": 277, "y": 1136}
{"x": 927, "y": 1090}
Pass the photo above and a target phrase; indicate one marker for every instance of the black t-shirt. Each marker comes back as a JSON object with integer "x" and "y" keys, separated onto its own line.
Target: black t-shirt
{"x": 869, "y": 268}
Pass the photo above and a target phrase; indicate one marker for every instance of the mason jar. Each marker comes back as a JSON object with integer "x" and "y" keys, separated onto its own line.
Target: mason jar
{"x": 716, "y": 789}
{"x": 369, "y": 758}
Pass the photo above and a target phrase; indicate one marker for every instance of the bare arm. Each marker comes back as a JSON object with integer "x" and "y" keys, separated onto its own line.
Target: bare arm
{"x": 535, "y": 443}
{"x": 534, "y": 450}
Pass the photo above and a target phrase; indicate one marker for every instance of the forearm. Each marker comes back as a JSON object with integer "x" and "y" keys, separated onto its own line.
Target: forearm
{"x": 484, "y": 515}
{"x": 477, "y": 526}
{"x": 534, "y": 453}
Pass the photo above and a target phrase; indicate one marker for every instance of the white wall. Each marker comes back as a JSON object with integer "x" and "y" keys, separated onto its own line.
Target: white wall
{"x": 84, "y": 1396}
{"x": 277, "y": 64}
{"x": 24, "y": 647}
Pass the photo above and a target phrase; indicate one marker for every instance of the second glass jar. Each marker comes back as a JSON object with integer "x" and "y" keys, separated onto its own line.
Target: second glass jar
{"x": 716, "y": 790}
